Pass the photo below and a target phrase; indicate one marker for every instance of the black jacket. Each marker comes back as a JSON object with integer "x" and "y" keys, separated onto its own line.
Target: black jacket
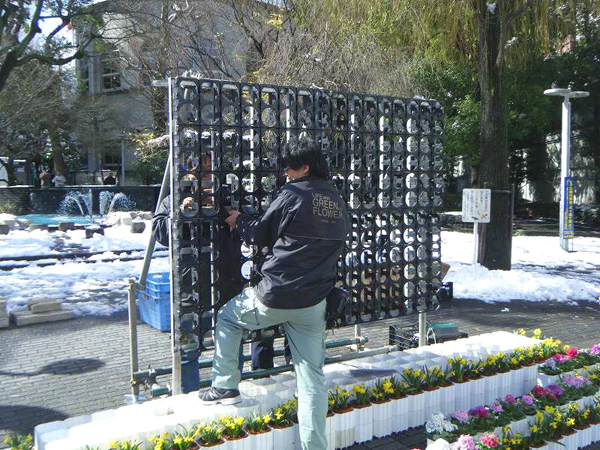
{"x": 305, "y": 229}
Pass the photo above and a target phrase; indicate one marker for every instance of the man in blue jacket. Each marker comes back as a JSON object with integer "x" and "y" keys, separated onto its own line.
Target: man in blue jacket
{"x": 304, "y": 229}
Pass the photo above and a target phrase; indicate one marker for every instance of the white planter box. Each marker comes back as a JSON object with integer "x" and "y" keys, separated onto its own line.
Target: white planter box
{"x": 382, "y": 423}
{"x": 364, "y": 424}
{"x": 344, "y": 427}
{"x": 284, "y": 437}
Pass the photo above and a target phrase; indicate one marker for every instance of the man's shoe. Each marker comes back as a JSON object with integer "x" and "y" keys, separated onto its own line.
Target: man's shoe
{"x": 216, "y": 396}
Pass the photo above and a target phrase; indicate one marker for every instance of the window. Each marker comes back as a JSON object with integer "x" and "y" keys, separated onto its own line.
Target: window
{"x": 111, "y": 70}
{"x": 111, "y": 160}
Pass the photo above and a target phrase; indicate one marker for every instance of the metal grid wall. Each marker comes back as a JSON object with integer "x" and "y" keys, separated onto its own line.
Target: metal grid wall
{"x": 386, "y": 156}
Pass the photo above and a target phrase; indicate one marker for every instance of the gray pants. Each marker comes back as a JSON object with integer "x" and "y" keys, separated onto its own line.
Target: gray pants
{"x": 305, "y": 329}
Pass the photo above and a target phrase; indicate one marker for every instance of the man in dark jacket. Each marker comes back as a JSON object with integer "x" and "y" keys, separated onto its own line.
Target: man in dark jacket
{"x": 262, "y": 351}
{"x": 304, "y": 229}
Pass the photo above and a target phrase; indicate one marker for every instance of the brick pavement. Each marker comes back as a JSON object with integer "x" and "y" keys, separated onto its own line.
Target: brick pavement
{"x": 58, "y": 370}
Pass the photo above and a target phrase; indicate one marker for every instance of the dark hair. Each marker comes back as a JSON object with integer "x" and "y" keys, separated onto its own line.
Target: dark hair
{"x": 298, "y": 152}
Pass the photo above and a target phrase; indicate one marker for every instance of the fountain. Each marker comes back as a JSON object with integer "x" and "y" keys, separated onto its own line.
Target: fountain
{"x": 111, "y": 201}
{"x": 76, "y": 203}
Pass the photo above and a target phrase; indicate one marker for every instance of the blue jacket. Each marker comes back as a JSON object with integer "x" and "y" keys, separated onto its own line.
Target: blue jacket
{"x": 304, "y": 229}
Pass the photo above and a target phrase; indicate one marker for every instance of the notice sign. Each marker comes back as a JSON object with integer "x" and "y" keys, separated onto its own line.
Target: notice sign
{"x": 476, "y": 205}
{"x": 569, "y": 212}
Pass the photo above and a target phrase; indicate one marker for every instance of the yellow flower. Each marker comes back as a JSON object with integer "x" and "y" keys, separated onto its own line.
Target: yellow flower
{"x": 549, "y": 409}
{"x": 114, "y": 444}
{"x": 534, "y": 429}
{"x": 554, "y": 425}
{"x": 513, "y": 361}
{"x": 539, "y": 415}
{"x": 239, "y": 421}
{"x": 506, "y": 429}
{"x": 537, "y": 333}
{"x": 177, "y": 440}
{"x": 521, "y": 331}
{"x": 570, "y": 422}
{"x": 6, "y": 440}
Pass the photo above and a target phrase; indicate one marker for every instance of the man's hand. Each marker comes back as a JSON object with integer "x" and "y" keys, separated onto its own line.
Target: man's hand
{"x": 233, "y": 215}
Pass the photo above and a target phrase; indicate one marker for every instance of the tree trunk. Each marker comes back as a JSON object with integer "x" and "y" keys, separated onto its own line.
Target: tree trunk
{"x": 57, "y": 155}
{"x": 595, "y": 143}
{"x": 496, "y": 239}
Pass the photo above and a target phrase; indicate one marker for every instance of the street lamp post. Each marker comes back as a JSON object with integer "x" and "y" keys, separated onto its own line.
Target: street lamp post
{"x": 566, "y": 233}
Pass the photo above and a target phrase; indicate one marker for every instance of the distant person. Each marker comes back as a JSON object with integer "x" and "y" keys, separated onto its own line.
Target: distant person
{"x": 110, "y": 180}
{"x": 59, "y": 179}
{"x": 45, "y": 179}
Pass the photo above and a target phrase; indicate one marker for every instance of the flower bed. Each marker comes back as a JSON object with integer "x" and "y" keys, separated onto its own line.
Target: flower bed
{"x": 442, "y": 377}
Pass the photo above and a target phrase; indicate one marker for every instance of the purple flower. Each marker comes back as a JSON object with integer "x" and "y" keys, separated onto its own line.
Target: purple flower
{"x": 556, "y": 390}
{"x": 528, "y": 400}
{"x": 560, "y": 358}
{"x": 510, "y": 399}
{"x": 462, "y": 416}
{"x": 551, "y": 364}
{"x": 497, "y": 407}
{"x": 576, "y": 382}
{"x": 479, "y": 412}
{"x": 595, "y": 350}
{"x": 465, "y": 442}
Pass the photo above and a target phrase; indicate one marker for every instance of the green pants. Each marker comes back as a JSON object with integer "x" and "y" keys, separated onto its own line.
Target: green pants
{"x": 305, "y": 330}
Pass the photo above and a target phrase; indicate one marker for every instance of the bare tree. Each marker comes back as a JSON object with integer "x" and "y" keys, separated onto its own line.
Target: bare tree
{"x": 20, "y": 26}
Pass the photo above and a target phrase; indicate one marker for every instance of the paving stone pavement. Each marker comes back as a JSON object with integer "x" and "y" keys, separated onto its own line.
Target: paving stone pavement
{"x": 58, "y": 370}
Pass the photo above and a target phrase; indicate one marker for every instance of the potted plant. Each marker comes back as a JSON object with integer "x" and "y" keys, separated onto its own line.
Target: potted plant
{"x": 537, "y": 433}
{"x": 434, "y": 378}
{"x": 462, "y": 421}
{"x": 400, "y": 405}
{"x": 210, "y": 435}
{"x": 233, "y": 431}
{"x": 363, "y": 413}
{"x": 126, "y": 445}
{"x": 441, "y": 428}
{"x": 514, "y": 441}
{"x": 414, "y": 379}
{"x": 259, "y": 432}
{"x": 283, "y": 427}
{"x": 344, "y": 420}
{"x": 382, "y": 414}
{"x": 459, "y": 368}
{"x": 514, "y": 411}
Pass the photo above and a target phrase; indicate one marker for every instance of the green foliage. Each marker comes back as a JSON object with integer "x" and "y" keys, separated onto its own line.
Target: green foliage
{"x": 11, "y": 208}
{"x": 18, "y": 441}
{"x": 152, "y": 158}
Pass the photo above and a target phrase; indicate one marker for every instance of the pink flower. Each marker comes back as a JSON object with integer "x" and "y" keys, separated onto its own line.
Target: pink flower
{"x": 510, "y": 399}
{"x": 489, "y": 439}
{"x": 595, "y": 350}
{"x": 465, "y": 442}
{"x": 527, "y": 400}
{"x": 572, "y": 352}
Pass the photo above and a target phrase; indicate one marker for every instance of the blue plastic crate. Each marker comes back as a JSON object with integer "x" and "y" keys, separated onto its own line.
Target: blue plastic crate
{"x": 159, "y": 282}
{"x": 156, "y": 312}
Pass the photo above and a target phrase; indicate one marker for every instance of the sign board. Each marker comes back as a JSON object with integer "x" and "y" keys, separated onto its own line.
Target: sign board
{"x": 476, "y": 205}
{"x": 569, "y": 208}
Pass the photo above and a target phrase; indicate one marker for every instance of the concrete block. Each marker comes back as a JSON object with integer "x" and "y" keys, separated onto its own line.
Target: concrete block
{"x": 66, "y": 226}
{"x": 90, "y": 231}
{"x": 4, "y": 322}
{"x": 11, "y": 223}
{"x": 2, "y": 305}
{"x": 137, "y": 226}
{"x": 4, "y": 229}
{"x": 125, "y": 220}
{"x": 43, "y": 307}
{"x": 20, "y": 318}
{"x": 37, "y": 226}
{"x": 145, "y": 215}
